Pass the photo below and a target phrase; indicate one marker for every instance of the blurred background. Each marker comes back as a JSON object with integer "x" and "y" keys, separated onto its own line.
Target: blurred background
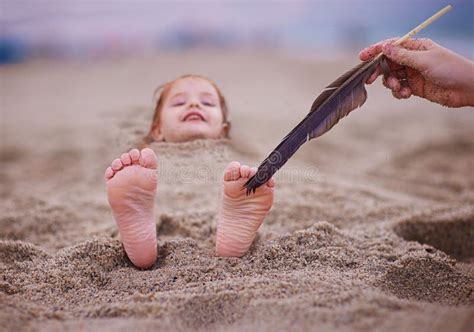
{"x": 86, "y": 29}
{"x": 78, "y": 74}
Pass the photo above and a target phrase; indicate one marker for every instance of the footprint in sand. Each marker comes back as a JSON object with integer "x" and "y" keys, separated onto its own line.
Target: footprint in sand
{"x": 451, "y": 231}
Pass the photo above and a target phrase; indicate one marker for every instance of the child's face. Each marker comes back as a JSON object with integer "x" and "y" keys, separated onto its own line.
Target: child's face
{"x": 191, "y": 110}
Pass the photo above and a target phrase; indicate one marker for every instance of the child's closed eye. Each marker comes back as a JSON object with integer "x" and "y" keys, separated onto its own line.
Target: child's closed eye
{"x": 178, "y": 103}
{"x": 208, "y": 103}
{"x": 178, "y": 100}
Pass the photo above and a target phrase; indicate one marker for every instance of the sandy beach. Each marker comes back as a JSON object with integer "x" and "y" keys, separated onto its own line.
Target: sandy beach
{"x": 372, "y": 227}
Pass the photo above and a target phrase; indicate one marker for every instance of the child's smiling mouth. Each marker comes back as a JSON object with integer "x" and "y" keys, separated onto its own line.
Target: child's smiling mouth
{"x": 194, "y": 116}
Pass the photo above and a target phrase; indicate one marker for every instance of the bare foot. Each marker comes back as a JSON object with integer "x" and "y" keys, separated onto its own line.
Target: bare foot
{"x": 131, "y": 187}
{"x": 241, "y": 215}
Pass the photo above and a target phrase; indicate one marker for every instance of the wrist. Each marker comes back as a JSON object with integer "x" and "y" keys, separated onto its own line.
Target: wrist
{"x": 469, "y": 99}
{"x": 468, "y": 83}
{"x": 464, "y": 84}
{"x": 467, "y": 77}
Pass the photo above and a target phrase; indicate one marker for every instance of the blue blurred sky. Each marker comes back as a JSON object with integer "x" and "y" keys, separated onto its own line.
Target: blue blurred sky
{"x": 87, "y": 28}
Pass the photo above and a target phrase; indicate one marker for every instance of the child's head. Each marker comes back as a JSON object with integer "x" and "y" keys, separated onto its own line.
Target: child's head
{"x": 188, "y": 108}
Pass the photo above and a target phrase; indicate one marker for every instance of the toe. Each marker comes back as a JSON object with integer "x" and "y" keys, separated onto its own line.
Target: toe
{"x": 244, "y": 171}
{"x": 271, "y": 183}
{"x": 253, "y": 171}
{"x": 148, "y": 158}
{"x": 134, "y": 156}
{"x": 116, "y": 165}
{"x": 109, "y": 173}
{"x": 126, "y": 159}
{"x": 232, "y": 171}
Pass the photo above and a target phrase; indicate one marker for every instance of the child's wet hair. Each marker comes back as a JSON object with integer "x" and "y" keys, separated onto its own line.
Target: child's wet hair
{"x": 162, "y": 91}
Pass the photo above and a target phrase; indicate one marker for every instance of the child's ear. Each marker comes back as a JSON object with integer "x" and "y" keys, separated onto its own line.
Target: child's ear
{"x": 225, "y": 129}
{"x": 156, "y": 133}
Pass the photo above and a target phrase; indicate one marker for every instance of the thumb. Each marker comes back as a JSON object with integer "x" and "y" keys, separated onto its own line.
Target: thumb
{"x": 403, "y": 56}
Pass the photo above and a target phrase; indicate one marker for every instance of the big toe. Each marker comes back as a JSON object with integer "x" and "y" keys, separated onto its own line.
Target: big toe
{"x": 148, "y": 158}
{"x": 232, "y": 171}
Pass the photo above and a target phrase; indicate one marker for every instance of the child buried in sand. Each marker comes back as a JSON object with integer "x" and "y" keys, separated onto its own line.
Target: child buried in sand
{"x": 190, "y": 107}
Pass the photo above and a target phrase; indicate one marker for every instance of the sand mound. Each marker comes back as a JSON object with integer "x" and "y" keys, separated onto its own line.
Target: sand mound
{"x": 320, "y": 268}
{"x": 371, "y": 229}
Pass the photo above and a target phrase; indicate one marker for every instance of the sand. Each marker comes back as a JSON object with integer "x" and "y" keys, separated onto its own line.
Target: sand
{"x": 372, "y": 228}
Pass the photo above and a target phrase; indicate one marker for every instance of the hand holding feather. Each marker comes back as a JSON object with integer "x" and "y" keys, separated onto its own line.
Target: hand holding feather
{"x": 425, "y": 69}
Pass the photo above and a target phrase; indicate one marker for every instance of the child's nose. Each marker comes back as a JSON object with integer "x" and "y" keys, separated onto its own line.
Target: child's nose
{"x": 194, "y": 104}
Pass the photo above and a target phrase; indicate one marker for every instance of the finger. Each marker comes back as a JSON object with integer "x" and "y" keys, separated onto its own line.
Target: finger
{"x": 375, "y": 74}
{"x": 411, "y": 44}
{"x": 369, "y": 52}
{"x": 402, "y": 56}
{"x": 392, "y": 83}
{"x": 405, "y": 92}
{"x": 393, "y": 65}
{"x": 396, "y": 94}
{"x": 400, "y": 74}
{"x": 419, "y": 44}
{"x": 374, "y": 49}
{"x": 415, "y": 81}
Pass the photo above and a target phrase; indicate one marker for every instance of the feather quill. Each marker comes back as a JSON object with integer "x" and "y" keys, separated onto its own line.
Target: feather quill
{"x": 336, "y": 101}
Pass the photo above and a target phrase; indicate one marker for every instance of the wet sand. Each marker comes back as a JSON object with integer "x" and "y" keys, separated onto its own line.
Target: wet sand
{"x": 372, "y": 226}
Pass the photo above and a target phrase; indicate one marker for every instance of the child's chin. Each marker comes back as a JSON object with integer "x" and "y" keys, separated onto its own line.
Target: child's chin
{"x": 196, "y": 133}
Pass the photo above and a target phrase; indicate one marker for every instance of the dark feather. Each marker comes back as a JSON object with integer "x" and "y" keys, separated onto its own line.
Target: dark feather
{"x": 336, "y": 101}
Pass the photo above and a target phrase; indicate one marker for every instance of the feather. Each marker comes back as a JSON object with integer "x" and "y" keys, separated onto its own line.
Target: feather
{"x": 336, "y": 101}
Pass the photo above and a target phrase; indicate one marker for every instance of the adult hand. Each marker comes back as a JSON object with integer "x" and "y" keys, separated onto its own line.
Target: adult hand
{"x": 423, "y": 68}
